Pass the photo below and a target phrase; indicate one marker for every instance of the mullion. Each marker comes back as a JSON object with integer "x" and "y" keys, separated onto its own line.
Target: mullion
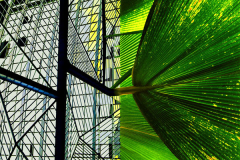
{"x": 33, "y": 142}
{"x": 19, "y": 101}
{"x": 6, "y": 16}
{"x": 50, "y": 129}
{"x": 51, "y": 120}
{"x": 35, "y": 8}
{"x": 88, "y": 148}
{"x": 48, "y": 66}
{"x": 46, "y": 132}
{"x": 91, "y": 32}
{"x": 10, "y": 139}
{"x": 36, "y": 29}
{"x": 84, "y": 113}
{"x": 10, "y": 94}
{"x": 15, "y": 55}
{"x": 78, "y": 90}
{"x": 24, "y": 104}
{"x": 33, "y": 145}
{"x": 104, "y": 125}
{"x": 2, "y": 150}
{"x": 85, "y": 102}
{"x": 106, "y": 132}
{"x": 44, "y": 25}
{"x": 73, "y": 103}
{"x": 48, "y": 73}
{"x": 43, "y": 137}
{"x": 33, "y": 125}
{"x": 4, "y": 94}
{"x": 101, "y": 122}
{"x": 29, "y": 6}
{"x": 29, "y": 99}
{"x": 74, "y": 138}
{"x": 32, "y": 121}
{"x": 24, "y": 144}
{"x": 83, "y": 46}
{"x": 28, "y": 115}
{"x": 91, "y": 102}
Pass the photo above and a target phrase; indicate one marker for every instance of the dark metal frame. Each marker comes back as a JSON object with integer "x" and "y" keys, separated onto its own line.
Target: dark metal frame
{"x": 104, "y": 39}
{"x": 61, "y": 82}
{"x": 66, "y": 67}
{"x": 60, "y": 95}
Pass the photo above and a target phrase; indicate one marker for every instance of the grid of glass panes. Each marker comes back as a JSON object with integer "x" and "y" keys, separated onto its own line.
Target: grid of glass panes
{"x": 95, "y": 114}
{"x": 30, "y": 30}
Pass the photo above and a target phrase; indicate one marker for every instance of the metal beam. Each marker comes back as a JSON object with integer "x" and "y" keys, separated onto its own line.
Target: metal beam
{"x": 26, "y": 83}
{"x": 104, "y": 39}
{"x": 108, "y": 91}
{"x": 89, "y": 80}
{"x": 61, "y": 82}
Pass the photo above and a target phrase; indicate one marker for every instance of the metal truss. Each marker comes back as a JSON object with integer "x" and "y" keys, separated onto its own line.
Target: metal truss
{"x": 50, "y": 50}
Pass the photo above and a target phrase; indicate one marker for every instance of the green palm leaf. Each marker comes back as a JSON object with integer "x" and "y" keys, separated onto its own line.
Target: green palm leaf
{"x": 192, "y": 50}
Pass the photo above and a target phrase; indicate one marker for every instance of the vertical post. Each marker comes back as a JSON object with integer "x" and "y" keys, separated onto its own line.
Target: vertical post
{"x": 104, "y": 39}
{"x": 61, "y": 82}
{"x": 94, "y": 123}
{"x": 95, "y": 90}
{"x": 110, "y": 150}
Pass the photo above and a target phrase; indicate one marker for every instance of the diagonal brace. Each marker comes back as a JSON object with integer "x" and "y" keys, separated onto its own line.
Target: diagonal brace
{"x": 36, "y": 121}
{"x": 88, "y": 79}
{"x": 8, "y": 120}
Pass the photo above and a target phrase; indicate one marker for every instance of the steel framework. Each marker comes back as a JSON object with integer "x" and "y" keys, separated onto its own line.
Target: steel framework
{"x": 50, "y": 52}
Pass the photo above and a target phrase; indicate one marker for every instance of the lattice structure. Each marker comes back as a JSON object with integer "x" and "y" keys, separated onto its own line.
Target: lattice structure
{"x": 29, "y": 36}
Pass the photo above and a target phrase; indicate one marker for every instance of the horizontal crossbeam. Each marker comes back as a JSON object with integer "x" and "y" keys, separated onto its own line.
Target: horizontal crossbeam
{"x": 89, "y": 80}
{"x": 26, "y": 83}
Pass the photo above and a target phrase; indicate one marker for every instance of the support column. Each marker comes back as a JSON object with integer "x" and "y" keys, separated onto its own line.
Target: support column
{"x": 104, "y": 39}
{"x": 61, "y": 82}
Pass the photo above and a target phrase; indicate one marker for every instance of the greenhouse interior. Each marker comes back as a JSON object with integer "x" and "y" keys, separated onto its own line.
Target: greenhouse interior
{"x": 119, "y": 79}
